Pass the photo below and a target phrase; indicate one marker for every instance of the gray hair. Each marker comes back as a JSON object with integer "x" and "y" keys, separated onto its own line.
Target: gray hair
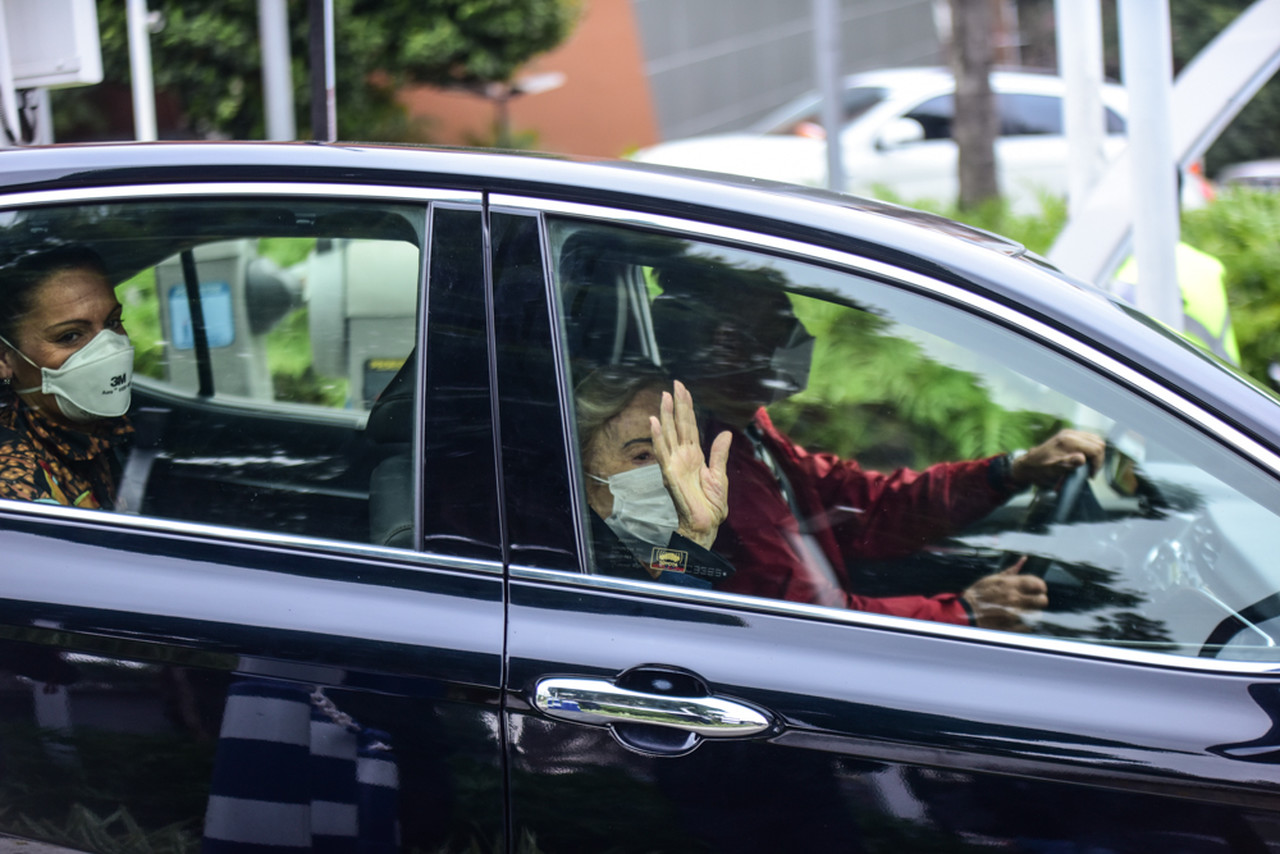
{"x": 605, "y": 392}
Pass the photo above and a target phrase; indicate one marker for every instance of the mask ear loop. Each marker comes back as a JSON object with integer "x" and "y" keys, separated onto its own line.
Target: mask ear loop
{"x": 8, "y": 383}
{"x": 7, "y": 343}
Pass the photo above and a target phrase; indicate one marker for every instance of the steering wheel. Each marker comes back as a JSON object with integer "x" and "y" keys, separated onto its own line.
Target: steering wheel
{"x": 1072, "y": 494}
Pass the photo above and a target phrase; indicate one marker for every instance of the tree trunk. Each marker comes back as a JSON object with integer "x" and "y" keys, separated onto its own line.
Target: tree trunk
{"x": 976, "y": 123}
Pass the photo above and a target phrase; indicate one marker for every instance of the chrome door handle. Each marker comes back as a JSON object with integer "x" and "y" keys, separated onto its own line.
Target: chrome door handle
{"x": 600, "y": 703}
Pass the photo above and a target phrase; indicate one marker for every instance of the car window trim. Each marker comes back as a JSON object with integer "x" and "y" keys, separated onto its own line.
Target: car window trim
{"x": 611, "y": 585}
{"x": 978, "y": 304}
{"x": 197, "y": 190}
{"x": 221, "y": 189}
{"x": 111, "y": 522}
{"x": 1212, "y": 426}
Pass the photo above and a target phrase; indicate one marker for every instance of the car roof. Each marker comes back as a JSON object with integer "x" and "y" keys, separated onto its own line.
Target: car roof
{"x": 924, "y": 243}
{"x": 913, "y": 83}
{"x": 1032, "y": 79}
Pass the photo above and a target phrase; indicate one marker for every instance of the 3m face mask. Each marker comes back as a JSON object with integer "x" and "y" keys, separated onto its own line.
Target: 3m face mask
{"x": 94, "y": 382}
{"x": 642, "y": 507}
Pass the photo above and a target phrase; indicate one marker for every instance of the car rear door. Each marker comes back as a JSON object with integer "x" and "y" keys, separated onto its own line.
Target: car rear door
{"x": 291, "y": 636}
{"x": 644, "y": 716}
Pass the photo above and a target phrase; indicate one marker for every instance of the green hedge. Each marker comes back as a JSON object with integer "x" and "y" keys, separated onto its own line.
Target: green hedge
{"x": 1241, "y": 228}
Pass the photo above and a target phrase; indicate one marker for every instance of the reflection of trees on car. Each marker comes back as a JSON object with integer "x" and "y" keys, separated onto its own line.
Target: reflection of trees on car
{"x": 878, "y": 396}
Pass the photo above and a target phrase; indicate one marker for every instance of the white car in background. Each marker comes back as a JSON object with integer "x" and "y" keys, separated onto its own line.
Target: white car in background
{"x": 897, "y": 136}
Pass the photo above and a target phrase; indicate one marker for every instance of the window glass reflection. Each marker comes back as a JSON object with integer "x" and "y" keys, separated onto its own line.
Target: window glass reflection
{"x": 889, "y": 453}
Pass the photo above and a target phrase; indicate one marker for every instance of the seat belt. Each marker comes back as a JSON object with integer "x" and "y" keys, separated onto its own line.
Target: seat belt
{"x": 148, "y": 425}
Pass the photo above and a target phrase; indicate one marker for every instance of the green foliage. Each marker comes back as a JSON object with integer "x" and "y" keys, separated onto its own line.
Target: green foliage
{"x": 207, "y": 60}
{"x": 291, "y": 363}
{"x": 142, "y": 321}
{"x": 879, "y": 397}
{"x": 1240, "y": 229}
{"x": 1035, "y": 231}
{"x": 467, "y": 41}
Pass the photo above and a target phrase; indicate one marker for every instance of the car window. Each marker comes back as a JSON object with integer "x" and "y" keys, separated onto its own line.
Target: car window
{"x": 1115, "y": 123}
{"x": 1029, "y": 115}
{"x": 935, "y": 115}
{"x": 874, "y": 474}
{"x": 273, "y": 342}
{"x": 1021, "y": 114}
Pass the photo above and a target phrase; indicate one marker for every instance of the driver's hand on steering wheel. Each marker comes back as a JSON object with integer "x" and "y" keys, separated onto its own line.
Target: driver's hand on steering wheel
{"x": 999, "y": 601}
{"x": 1047, "y": 463}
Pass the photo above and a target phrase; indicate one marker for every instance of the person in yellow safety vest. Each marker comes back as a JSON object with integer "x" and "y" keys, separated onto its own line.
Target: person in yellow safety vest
{"x": 1206, "y": 319}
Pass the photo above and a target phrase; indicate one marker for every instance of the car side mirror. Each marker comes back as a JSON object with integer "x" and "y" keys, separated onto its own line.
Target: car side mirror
{"x": 899, "y": 133}
{"x": 270, "y": 293}
{"x": 1123, "y": 463}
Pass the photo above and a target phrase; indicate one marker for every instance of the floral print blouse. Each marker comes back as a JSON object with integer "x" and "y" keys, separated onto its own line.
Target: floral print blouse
{"x": 45, "y": 460}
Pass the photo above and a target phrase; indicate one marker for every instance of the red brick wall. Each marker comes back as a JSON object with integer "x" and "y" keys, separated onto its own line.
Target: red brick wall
{"x": 603, "y": 109}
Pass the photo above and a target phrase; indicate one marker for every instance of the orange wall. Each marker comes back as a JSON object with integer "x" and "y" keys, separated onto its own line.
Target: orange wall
{"x": 603, "y": 109}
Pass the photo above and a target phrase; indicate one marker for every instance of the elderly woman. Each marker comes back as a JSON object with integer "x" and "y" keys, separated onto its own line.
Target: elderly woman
{"x": 657, "y": 502}
{"x": 66, "y": 368}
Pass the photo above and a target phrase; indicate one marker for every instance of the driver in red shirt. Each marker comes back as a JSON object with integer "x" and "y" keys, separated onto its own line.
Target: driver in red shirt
{"x": 797, "y": 519}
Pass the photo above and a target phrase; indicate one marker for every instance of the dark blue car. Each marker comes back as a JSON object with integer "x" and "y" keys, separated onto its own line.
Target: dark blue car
{"x": 353, "y": 597}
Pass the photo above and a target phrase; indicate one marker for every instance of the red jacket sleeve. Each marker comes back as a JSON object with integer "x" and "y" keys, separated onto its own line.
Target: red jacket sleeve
{"x": 874, "y": 515}
{"x": 776, "y": 560}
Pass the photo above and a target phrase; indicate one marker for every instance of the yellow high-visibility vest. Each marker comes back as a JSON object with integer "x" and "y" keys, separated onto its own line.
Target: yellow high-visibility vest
{"x": 1206, "y": 318}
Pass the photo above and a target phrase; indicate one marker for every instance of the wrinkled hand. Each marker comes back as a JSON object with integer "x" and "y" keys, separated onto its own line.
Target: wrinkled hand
{"x": 999, "y": 601}
{"x": 700, "y": 489}
{"x": 1047, "y": 463}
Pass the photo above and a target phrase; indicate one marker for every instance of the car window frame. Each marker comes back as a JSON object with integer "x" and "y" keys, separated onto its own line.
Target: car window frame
{"x": 194, "y": 192}
{"x": 1088, "y": 356}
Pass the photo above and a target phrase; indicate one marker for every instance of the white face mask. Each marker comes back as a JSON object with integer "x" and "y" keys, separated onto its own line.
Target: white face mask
{"x": 94, "y": 382}
{"x": 642, "y": 507}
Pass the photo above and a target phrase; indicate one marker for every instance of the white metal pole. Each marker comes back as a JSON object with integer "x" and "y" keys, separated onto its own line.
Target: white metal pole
{"x": 826, "y": 43}
{"x": 43, "y": 110}
{"x": 330, "y": 83}
{"x": 8, "y": 92}
{"x": 144, "y": 90}
{"x": 1147, "y": 64}
{"x": 1078, "y": 24}
{"x": 277, "y": 74}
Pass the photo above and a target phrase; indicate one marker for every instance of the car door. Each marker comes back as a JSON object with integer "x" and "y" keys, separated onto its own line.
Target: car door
{"x": 284, "y": 635}
{"x": 1136, "y": 713}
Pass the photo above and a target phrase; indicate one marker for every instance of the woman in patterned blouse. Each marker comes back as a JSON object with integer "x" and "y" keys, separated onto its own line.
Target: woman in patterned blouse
{"x": 52, "y": 305}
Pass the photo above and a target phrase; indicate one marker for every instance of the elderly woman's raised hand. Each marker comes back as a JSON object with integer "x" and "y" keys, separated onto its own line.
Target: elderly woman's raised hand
{"x": 698, "y": 486}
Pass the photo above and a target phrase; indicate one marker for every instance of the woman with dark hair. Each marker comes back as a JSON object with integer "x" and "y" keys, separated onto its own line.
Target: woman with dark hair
{"x": 656, "y": 500}
{"x": 66, "y": 369}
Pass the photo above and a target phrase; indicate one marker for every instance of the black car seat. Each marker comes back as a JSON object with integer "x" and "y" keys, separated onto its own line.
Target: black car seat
{"x": 601, "y": 326}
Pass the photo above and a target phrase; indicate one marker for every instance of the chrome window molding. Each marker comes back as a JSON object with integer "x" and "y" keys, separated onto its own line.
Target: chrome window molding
{"x": 197, "y": 191}
{"x": 300, "y": 412}
{"x": 104, "y": 520}
{"x": 219, "y": 189}
{"x": 902, "y": 625}
{"x": 1208, "y": 423}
